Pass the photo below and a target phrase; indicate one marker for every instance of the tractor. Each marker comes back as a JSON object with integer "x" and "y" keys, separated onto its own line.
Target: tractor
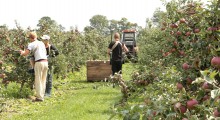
{"x": 129, "y": 38}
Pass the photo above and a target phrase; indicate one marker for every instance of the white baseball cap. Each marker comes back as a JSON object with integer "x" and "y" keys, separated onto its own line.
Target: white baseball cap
{"x": 45, "y": 37}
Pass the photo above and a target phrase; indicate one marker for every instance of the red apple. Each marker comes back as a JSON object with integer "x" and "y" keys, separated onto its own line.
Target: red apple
{"x": 175, "y": 43}
{"x": 178, "y": 33}
{"x": 215, "y": 62}
{"x": 174, "y": 25}
{"x": 182, "y": 53}
{"x": 188, "y": 33}
{"x": 182, "y": 109}
{"x": 182, "y": 20}
{"x": 177, "y": 105}
{"x": 214, "y": 28}
{"x": 166, "y": 54}
{"x": 185, "y": 66}
{"x": 189, "y": 80}
{"x": 196, "y": 30}
{"x": 171, "y": 32}
{"x": 154, "y": 113}
{"x": 179, "y": 86}
{"x": 216, "y": 113}
{"x": 206, "y": 97}
{"x": 209, "y": 28}
{"x": 162, "y": 29}
{"x": 171, "y": 25}
{"x": 205, "y": 85}
{"x": 173, "y": 50}
{"x": 2, "y": 75}
{"x": 191, "y": 103}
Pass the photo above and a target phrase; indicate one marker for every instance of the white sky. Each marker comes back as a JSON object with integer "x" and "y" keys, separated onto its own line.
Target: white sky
{"x": 74, "y": 12}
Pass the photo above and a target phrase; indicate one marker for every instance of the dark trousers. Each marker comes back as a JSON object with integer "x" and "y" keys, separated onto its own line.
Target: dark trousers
{"x": 49, "y": 84}
{"x": 116, "y": 67}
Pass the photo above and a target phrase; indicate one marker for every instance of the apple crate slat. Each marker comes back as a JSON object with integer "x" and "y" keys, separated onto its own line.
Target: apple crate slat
{"x": 98, "y": 70}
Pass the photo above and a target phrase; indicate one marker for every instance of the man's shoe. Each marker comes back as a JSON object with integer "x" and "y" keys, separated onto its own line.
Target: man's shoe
{"x": 47, "y": 95}
{"x": 37, "y": 100}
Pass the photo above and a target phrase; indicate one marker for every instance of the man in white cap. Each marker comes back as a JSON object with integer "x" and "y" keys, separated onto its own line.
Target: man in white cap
{"x": 41, "y": 65}
{"x": 45, "y": 37}
{"x": 52, "y": 51}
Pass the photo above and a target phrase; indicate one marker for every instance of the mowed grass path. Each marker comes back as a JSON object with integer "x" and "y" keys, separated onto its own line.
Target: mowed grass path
{"x": 82, "y": 104}
{"x": 73, "y": 99}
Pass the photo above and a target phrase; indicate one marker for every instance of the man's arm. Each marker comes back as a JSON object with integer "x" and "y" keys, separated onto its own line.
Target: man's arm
{"x": 56, "y": 51}
{"x": 24, "y": 52}
{"x": 125, "y": 48}
{"x": 108, "y": 51}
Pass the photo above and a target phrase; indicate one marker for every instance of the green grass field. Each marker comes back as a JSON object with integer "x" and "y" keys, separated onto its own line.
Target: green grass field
{"x": 73, "y": 99}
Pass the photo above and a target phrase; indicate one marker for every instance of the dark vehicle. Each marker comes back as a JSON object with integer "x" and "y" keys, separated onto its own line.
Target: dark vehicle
{"x": 129, "y": 39}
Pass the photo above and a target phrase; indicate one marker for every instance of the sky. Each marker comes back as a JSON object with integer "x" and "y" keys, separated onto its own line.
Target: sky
{"x": 74, "y": 12}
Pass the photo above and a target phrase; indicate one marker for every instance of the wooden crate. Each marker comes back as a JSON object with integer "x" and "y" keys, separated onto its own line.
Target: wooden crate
{"x": 98, "y": 70}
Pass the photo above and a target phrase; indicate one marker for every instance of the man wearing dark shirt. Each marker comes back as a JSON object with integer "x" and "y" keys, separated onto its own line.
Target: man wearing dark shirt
{"x": 115, "y": 50}
{"x": 52, "y": 51}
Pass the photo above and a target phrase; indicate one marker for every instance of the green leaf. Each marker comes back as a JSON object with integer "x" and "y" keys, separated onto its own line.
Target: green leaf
{"x": 213, "y": 74}
{"x": 208, "y": 76}
{"x": 194, "y": 117}
{"x": 198, "y": 80}
{"x": 205, "y": 72}
{"x": 136, "y": 116}
{"x": 215, "y": 93}
{"x": 170, "y": 116}
{"x": 208, "y": 79}
{"x": 214, "y": 52}
{"x": 124, "y": 112}
{"x": 211, "y": 78}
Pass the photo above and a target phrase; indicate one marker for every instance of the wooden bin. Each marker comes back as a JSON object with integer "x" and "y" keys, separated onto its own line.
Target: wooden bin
{"x": 98, "y": 70}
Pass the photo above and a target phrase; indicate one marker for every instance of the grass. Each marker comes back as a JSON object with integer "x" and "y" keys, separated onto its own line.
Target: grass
{"x": 81, "y": 104}
{"x": 73, "y": 99}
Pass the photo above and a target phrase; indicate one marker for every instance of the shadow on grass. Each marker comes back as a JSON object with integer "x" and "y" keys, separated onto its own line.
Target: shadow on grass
{"x": 79, "y": 81}
{"x": 100, "y": 111}
{"x": 88, "y": 82}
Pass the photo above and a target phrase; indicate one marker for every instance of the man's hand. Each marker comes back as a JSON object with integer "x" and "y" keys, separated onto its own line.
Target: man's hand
{"x": 21, "y": 52}
{"x": 109, "y": 51}
{"x": 24, "y": 53}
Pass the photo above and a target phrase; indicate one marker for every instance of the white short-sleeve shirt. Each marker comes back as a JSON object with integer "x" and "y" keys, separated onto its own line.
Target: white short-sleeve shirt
{"x": 38, "y": 49}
